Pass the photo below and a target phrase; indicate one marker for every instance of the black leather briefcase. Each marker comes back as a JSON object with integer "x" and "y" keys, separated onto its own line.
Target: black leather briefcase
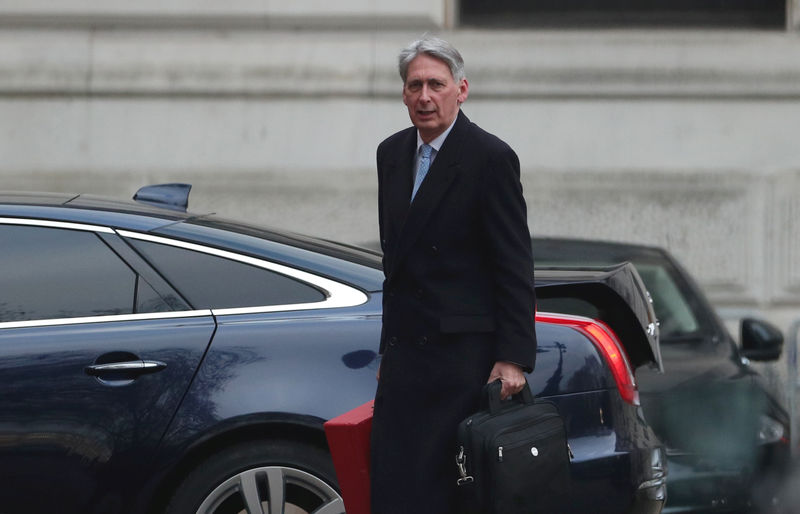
{"x": 513, "y": 456}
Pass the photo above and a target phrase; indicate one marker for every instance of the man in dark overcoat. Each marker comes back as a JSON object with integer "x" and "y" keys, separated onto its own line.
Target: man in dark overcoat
{"x": 458, "y": 298}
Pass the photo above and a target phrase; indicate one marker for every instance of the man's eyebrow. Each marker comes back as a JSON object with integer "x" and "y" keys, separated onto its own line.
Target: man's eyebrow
{"x": 429, "y": 80}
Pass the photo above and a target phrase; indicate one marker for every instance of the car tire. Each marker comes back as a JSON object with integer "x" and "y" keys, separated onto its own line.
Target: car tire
{"x": 246, "y": 477}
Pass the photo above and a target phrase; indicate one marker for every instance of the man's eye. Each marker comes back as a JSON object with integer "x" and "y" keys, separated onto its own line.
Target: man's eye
{"x": 414, "y": 86}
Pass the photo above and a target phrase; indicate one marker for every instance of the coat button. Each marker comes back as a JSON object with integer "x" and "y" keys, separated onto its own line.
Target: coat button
{"x": 422, "y": 341}
{"x": 392, "y": 341}
{"x": 434, "y": 249}
{"x": 419, "y": 293}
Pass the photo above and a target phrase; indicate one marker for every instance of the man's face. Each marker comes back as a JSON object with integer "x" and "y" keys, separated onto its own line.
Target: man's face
{"x": 432, "y": 96}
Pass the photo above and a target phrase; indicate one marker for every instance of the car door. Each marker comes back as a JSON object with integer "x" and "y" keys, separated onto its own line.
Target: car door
{"x": 703, "y": 397}
{"x": 96, "y": 354}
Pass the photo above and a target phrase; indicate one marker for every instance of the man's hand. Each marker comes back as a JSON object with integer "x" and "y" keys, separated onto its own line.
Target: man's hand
{"x": 510, "y": 375}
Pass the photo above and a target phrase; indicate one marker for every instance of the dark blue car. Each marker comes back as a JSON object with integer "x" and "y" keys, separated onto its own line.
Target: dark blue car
{"x": 158, "y": 361}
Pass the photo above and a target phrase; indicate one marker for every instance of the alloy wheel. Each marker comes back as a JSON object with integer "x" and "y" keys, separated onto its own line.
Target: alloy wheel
{"x": 273, "y": 490}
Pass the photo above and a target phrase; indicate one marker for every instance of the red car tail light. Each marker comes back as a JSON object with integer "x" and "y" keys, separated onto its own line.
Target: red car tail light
{"x": 606, "y": 341}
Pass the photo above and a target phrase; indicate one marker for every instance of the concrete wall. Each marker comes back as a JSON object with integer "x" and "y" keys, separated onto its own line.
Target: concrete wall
{"x": 273, "y": 110}
{"x": 237, "y": 14}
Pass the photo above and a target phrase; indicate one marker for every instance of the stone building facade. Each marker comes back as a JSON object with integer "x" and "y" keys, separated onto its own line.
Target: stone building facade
{"x": 676, "y": 131}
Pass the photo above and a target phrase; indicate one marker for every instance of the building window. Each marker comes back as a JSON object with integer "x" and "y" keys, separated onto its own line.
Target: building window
{"x": 623, "y": 13}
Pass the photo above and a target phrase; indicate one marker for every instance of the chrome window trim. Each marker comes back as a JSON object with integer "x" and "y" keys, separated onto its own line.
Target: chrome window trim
{"x": 54, "y": 322}
{"x": 336, "y": 294}
{"x": 55, "y": 224}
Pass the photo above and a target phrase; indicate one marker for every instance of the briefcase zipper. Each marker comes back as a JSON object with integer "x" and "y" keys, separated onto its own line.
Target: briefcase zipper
{"x": 509, "y": 441}
{"x": 538, "y": 421}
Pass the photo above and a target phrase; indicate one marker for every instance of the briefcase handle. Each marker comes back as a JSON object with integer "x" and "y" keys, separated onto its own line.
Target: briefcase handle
{"x": 491, "y": 396}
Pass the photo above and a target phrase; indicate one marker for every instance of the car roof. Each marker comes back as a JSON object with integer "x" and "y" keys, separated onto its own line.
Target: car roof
{"x": 144, "y": 217}
{"x": 603, "y": 252}
{"x": 26, "y": 197}
{"x": 87, "y": 209}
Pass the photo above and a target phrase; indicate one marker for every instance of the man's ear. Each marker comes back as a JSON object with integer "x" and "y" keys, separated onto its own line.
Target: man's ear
{"x": 463, "y": 91}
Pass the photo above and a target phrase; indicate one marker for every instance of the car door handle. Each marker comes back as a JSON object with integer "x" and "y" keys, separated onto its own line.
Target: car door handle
{"x": 136, "y": 367}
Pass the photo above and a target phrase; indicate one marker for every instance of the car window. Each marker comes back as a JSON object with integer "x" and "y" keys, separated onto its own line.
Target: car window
{"x": 208, "y": 281}
{"x": 49, "y": 273}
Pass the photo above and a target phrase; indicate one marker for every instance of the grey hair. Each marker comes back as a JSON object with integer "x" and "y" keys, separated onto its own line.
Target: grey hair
{"x": 435, "y": 47}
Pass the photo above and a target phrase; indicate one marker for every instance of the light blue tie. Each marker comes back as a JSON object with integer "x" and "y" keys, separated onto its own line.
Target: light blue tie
{"x": 422, "y": 169}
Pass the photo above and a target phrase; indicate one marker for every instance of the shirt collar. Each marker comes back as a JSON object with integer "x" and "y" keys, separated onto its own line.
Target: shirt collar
{"x": 437, "y": 143}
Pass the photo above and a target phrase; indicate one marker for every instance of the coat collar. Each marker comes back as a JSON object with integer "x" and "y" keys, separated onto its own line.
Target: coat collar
{"x": 413, "y": 218}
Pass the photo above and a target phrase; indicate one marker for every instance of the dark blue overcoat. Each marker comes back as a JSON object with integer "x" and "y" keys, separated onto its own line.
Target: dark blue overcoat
{"x": 458, "y": 296}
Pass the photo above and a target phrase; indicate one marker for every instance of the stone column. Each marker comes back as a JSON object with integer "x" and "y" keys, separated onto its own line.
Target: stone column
{"x": 451, "y": 14}
{"x": 793, "y": 15}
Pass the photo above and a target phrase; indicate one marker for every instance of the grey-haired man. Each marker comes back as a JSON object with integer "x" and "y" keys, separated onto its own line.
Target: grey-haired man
{"x": 459, "y": 302}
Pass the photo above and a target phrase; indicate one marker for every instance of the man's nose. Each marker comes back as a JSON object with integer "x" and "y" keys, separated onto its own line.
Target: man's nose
{"x": 424, "y": 93}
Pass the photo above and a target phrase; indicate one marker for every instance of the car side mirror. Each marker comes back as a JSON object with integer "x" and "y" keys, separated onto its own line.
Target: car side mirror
{"x": 761, "y": 341}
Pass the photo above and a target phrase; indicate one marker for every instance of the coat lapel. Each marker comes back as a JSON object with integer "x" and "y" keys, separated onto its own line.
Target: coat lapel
{"x": 398, "y": 181}
{"x": 441, "y": 174}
